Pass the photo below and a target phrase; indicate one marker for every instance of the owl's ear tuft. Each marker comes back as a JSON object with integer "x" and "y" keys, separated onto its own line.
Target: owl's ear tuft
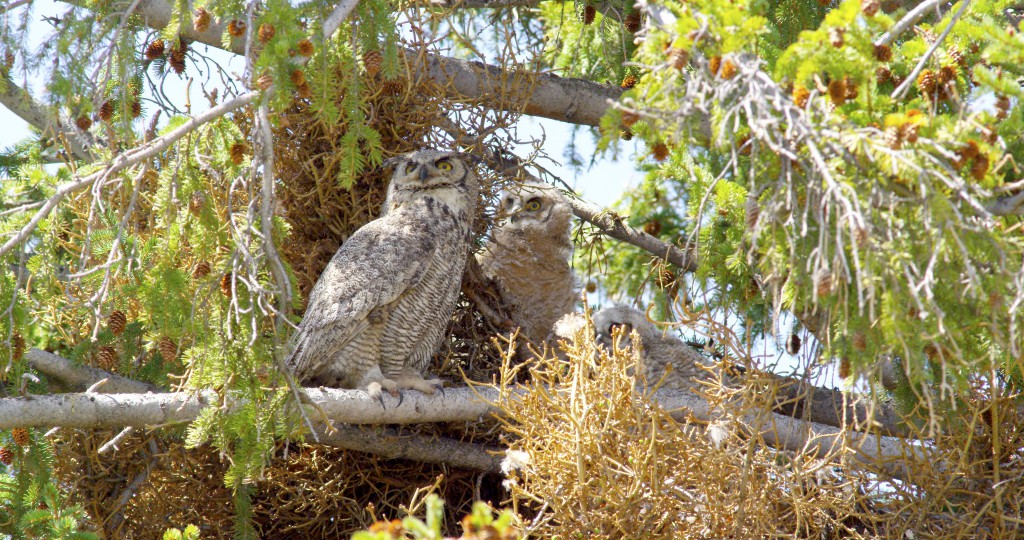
{"x": 392, "y": 161}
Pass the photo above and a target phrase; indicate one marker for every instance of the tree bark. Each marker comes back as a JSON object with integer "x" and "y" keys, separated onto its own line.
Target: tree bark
{"x": 21, "y": 103}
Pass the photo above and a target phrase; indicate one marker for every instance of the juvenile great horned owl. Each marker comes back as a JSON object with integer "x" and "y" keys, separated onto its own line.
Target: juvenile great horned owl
{"x": 529, "y": 255}
{"x": 380, "y": 308}
{"x": 663, "y": 355}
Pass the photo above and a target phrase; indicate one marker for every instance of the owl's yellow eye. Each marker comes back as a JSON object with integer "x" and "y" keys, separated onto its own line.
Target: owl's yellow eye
{"x": 444, "y": 165}
{"x": 410, "y": 168}
{"x": 532, "y": 205}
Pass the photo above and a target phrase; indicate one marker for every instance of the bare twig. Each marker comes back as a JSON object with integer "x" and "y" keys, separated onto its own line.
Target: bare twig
{"x": 907, "y": 21}
{"x": 901, "y": 90}
{"x": 13, "y": 5}
{"x": 112, "y": 443}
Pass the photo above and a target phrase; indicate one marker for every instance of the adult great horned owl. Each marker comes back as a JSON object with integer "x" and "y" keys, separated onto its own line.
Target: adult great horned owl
{"x": 662, "y": 355}
{"x": 529, "y": 255}
{"x": 380, "y": 308}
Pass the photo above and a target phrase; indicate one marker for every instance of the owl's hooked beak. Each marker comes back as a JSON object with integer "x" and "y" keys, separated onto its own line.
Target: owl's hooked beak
{"x": 423, "y": 173}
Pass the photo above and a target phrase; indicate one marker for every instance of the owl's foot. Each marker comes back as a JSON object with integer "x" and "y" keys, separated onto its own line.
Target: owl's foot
{"x": 417, "y": 382}
{"x": 377, "y": 388}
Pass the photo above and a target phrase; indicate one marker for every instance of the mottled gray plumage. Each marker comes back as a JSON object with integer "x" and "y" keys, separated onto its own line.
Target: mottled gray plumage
{"x": 530, "y": 255}
{"x": 662, "y": 355}
{"x": 380, "y": 308}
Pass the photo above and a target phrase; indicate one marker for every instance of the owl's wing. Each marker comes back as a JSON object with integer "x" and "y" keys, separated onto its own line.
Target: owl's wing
{"x": 373, "y": 268}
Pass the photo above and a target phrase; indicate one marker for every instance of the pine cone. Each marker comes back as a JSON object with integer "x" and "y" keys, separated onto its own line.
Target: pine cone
{"x": 851, "y": 88}
{"x": 168, "y": 349}
{"x": 1002, "y": 107}
{"x": 860, "y": 343}
{"x": 793, "y": 343}
{"x": 305, "y": 48}
{"x": 83, "y": 123}
{"x": 591, "y": 287}
{"x": 155, "y": 49}
{"x": 678, "y": 58}
{"x": 9, "y": 59}
{"x": 626, "y": 135}
{"x": 135, "y": 108}
{"x": 837, "y": 91}
{"x": 946, "y": 74}
{"x": 800, "y": 96}
{"x": 237, "y": 152}
{"x": 225, "y": 284}
{"x": 298, "y": 77}
{"x": 266, "y": 32}
{"x": 632, "y": 22}
{"x": 752, "y": 211}
{"x": 629, "y": 81}
{"x": 728, "y": 69}
{"x": 894, "y": 137}
{"x": 107, "y": 358}
{"x": 980, "y": 167}
{"x": 372, "y": 61}
{"x": 629, "y": 118}
{"x": 236, "y": 28}
{"x": 196, "y": 201}
{"x": 956, "y": 56}
{"x": 660, "y": 152}
{"x": 870, "y": 7}
{"x": 6, "y": 456}
{"x": 844, "y": 368}
{"x": 714, "y": 63}
{"x": 926, "y": 82}
{"x": 201, "y": 20}
{"x": 392, "y": 87}
{"x": 106, "y": 111}
{"x": 116, "y": 322}
{"x": 177, "y": 57}
{"x": 823, "y": 284}
{"x": 20, "y": 436}
{"x": 910, "y": 132}
{"x": 883, "y": 75}
{"x": 303, "y": 91}
{"x": 652, "y": 227}
{"x": 589, "y": 12}
{"x": 201, "y": 270}
{"x": 883, "y": 53}
{"x": 265, "y": 81}
{"x": 17, "y": 346}
{"x": 665, "y": 278}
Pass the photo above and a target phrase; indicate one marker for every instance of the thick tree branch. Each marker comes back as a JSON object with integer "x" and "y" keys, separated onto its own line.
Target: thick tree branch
{"x": 568, "y": 100}
{"x": 21, "y": 103}
{"x": 81, "y": 377}
{"x": 392, "y": 444}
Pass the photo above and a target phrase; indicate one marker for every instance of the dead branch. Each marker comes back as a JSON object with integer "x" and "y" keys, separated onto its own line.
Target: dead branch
{"x": 392, "y": 444}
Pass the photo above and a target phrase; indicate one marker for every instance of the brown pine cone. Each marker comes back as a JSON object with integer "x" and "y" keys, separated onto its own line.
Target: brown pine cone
{"x": 894, "y": 137}
{"x": 626, "y": 134}
{"x": 107, "y": 358}
{"x": 946, "y": 74}
{"x": 800, "y": 96}
{"x": 265, "y": 81}
{"x": 629, "y": 118}
{"x": 956, "y": 56}
{"x": 870, "y": 7}
{"x": 678, "y": 58}
{"x": 201, "y": 270}
{"x": 793, "y": 343}
{"x": 117, "y": 322}
{"x": 926, "y": 82}
{"x": 305, "y": 48}
{"x": 851, "y": 88}
{"x": 844, "y": 368}
{"x": 237, "y": 152}
{"x": 728, "y": 69}
{"x": 20, "y": 436}
{"x": 266, "y": 32}
{"x": 665, "y": 277}
{"x": 752, "y": 211}
{"x": 883, "y": 75}
{"x": 201, "y": 20}
{"x": 6, "y": 456}
{"x": 236, "y": 28}
{"x": 135, "y": 108}
{"x": 372, "y": 61}
{"x": 83, "y": 123}
{"x": 106, "y": 111}
{"x": 17, "y": 346}
{"x": 859, "y": 341}
{"x": 393, "y": 87}
{"x": 155, "y": 49}
{"x": 303, "y": 91}
{"x": 660, "y": 152}
{"x": 632, "y": 22}
{"x": 298, "y": 77}
{"x": 714, "y": 63}
{"x": 168, "y": 349}
{"x": 652, "y": 227}
{"x": 837, "y": 91}
{"x": 629, "y": 81}
{"x": 589, "y": 12}
{"x": 225, "y": 284}
{"x": 980, "y": 167}
{"x": 883, "y": 53}
{"x": 836, "y": 36}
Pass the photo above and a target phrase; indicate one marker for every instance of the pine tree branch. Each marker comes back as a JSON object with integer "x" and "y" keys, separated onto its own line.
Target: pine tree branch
{"x": 79, "y": 378}
{"x": 123, "y": 161}
{"x": 568, "y": 100}
{"x": 21, "y": 103}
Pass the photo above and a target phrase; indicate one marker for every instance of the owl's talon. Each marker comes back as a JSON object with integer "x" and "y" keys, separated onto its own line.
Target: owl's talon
{"x": 401, "y": 398}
